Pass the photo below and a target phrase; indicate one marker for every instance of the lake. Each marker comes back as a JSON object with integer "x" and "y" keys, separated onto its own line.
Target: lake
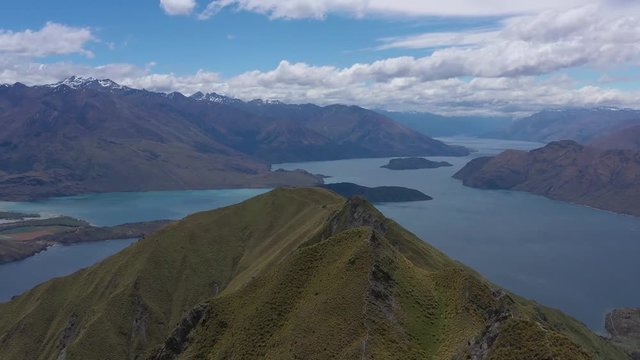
{"x": 20, "y": 276}
{"x": 103, "y": 210}
{"x": 580, "y": 260}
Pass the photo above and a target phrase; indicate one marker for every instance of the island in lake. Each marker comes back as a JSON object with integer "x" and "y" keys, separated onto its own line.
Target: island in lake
{"x": 414, "y": 163}
{"x": 30, "y": 234}
{"x": 378, "y": 194}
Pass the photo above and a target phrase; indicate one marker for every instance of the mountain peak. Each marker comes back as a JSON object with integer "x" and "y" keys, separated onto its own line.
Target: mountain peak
{"x": 266, "y": 102}
{"x": 214, "y": 98}
{"x": 79, "y": 82}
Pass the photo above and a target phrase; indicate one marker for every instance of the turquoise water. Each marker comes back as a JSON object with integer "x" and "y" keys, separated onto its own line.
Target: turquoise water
{"x": 580, "y": 260}
{"x": 103, "y": 210}
{"x": 118, "y": 208}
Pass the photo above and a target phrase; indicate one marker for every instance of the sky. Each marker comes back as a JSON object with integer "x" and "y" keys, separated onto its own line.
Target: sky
{"x": 455, "y": 57}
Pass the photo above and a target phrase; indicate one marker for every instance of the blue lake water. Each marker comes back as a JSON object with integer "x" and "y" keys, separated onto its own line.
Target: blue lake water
{"x": 20, "y": 276}
{"x": 118, "y": 208}
{"x": 578, "y": 259}
{"x": 103, "y": 210}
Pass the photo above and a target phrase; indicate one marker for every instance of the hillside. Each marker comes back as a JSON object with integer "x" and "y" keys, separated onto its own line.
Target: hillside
{"x": 566, "y": 171}
{"x": 627, "y": 138}
{"x": 580, "y": 125}
{"x": 87, "y": 135}
{"x": 245, "y": 281}
{"x": 303, "y": 132}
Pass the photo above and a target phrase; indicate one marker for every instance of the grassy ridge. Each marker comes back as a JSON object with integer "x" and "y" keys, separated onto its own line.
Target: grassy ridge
{"x": 290, "y": 274}
{"x": 129, "y": 302}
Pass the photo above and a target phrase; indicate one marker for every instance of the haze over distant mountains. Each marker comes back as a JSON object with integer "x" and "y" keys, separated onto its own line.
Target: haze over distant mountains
{"x": 581, "y": 125}
{"x": 440, "y": 125}
{"x": 88, "y": 135}
{"x": 604, "y": 127}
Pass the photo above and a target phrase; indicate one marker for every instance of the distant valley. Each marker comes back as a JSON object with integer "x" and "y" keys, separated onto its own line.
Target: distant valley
{"x": 88, "y": 135}
{"x": 584, "y": 125}
{"x": 445, "y": 126}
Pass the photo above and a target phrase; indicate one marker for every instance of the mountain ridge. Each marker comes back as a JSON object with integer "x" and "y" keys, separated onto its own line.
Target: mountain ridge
{"x": 88, "y": 135}
{"x": 373, "y": 289}
{"x": 564, "y": 170}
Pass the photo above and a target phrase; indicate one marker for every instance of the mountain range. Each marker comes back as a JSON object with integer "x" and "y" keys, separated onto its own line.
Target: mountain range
{"x": 86, "y": 135}
{"x": 564, "y": 170}
{"x": 583, "y": 125}
{"x": 291, "y": 274}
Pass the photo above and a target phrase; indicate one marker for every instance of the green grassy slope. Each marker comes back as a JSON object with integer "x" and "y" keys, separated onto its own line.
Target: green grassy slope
{"x": 289, "y": 274}
{"x": 123, "y": 305}
{"x": 366, "y": 288}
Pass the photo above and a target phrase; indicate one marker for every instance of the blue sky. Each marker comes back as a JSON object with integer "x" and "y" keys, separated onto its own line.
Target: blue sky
{"x": 230, "y": 43}
{"x": 462, "y": 56}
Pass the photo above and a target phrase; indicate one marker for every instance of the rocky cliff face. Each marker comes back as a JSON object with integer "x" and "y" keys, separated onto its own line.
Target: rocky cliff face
{"x": 564, "y": 170}
{"x": 623, "y": 325}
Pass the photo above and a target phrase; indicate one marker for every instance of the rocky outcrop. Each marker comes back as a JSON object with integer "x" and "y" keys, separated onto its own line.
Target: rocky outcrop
{"x": 178, "y": 341}
{"x": 623, "y": 326}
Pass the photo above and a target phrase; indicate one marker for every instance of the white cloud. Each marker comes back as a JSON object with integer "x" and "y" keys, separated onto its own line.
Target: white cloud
{"x": 52, "y": 39}
{"x": 530, "y": 45}
{"x": 178, "y": 7}
{"x": 318, "y": 9}
{"x": 301, "y": 83}
{"x": 435, "y": 40}
{"x": 486, "y": 72}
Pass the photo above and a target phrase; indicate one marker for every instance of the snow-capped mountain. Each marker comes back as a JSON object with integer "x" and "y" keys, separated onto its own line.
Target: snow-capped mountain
{"x": 78, "y": 82}
{"x": 215, "y": 98}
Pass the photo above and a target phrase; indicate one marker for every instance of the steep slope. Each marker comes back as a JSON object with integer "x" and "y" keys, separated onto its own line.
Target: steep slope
{"x": 293, "y": 273}
{"x": 623, "y": 325}
{"x": 62, "y": 140}
{"x": 564, "y": 170}
{"x": 124, "y": 305}
{"x": 88, "y": 135}
{"x": 581, "y": 125}
{"x": 311, "y": 132}
{"x": 627, "y": 138}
